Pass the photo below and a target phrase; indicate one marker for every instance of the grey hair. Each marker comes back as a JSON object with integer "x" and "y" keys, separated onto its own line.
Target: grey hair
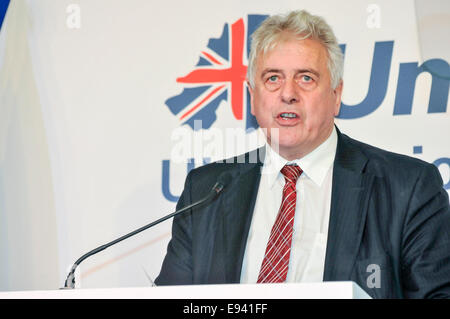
{"x": 301, "y": 25}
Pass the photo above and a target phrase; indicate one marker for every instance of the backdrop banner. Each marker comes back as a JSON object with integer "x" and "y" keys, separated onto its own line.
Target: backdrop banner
{"x": 105, "y": 106}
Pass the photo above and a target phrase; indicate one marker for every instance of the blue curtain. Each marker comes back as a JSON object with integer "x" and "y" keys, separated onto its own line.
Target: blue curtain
{"x": 3, "y": 6}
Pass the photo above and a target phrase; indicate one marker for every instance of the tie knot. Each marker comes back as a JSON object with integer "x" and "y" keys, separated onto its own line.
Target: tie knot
{"x": 291, "y": 173}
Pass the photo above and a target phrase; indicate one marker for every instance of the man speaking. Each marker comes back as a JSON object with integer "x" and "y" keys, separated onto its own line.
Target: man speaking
{"x": 316, "y": 205}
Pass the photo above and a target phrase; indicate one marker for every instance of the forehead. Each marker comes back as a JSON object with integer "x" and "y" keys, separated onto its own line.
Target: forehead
{"x": 294, "y": 54}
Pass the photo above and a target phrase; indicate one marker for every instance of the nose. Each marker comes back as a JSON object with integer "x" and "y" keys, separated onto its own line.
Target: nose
{"x": 289, "y": 92}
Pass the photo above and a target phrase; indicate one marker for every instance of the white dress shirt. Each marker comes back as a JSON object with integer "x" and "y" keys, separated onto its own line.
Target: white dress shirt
{"x": 312, "y": 213}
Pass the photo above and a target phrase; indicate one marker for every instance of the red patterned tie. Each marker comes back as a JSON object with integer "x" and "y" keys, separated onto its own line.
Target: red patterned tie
{"x": 275, "y": 264}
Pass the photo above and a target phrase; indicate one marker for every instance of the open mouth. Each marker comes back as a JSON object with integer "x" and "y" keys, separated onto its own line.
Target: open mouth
{"x": 287, "y": 115}
{"x": 288, "y": 119}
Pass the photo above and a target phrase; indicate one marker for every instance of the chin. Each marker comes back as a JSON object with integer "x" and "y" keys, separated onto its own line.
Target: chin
{"x": 291, "y": 147}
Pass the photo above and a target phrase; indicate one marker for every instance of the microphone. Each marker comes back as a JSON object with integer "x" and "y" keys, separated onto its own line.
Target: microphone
{"x": 222, "y": 181}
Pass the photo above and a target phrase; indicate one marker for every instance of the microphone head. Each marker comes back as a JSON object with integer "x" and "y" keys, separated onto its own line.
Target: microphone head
{"x": 223, "y": 181}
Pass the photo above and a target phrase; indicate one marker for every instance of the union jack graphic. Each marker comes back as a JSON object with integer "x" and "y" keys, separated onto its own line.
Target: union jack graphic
{"x": 218, "y": 76}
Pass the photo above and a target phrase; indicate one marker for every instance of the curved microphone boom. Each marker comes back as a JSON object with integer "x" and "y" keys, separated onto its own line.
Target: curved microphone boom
{"x": 223, "y": 180}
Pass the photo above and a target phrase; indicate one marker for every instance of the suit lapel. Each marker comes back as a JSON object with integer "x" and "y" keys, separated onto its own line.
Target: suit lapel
{"x": 349, "y": 200}
{"x": 237, "y": 214}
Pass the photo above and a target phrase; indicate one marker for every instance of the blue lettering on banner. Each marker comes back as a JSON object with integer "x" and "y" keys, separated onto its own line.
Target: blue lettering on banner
{"x": 418, "y": 149}
{"x": 408, "y": 73}
{"x": 444, "y": 161}
{"x": 379, "y": 76}
{"x": 406, "y": 83}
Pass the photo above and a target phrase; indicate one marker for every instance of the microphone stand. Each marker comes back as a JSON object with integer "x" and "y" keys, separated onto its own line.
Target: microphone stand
{"x": 70, "y": 280}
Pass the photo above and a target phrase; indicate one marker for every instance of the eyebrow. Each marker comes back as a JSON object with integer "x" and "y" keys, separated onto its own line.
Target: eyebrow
{"x": 296, "y": 71}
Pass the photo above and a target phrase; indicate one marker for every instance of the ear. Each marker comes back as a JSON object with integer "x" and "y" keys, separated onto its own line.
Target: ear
{"x": 338, "y": 95}
{"x": 250, "y": 90}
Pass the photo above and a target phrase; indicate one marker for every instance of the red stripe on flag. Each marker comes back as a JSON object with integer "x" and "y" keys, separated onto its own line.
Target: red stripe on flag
{"x": 201, "y": 102}
{"x": 209, "y": 56}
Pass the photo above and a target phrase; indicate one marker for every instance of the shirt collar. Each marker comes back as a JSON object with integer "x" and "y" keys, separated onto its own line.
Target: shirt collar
{"x": 315, "y": 165}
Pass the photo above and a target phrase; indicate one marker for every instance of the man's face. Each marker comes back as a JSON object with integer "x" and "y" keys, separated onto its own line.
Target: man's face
{"x": 293, "y": 93}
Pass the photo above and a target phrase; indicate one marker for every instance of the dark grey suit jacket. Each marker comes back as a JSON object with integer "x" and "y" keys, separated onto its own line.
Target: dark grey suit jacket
{"x": 389, "y": 228}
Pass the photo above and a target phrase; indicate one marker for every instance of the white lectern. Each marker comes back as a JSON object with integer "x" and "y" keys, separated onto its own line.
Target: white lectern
{"x": 325, "y": 290}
